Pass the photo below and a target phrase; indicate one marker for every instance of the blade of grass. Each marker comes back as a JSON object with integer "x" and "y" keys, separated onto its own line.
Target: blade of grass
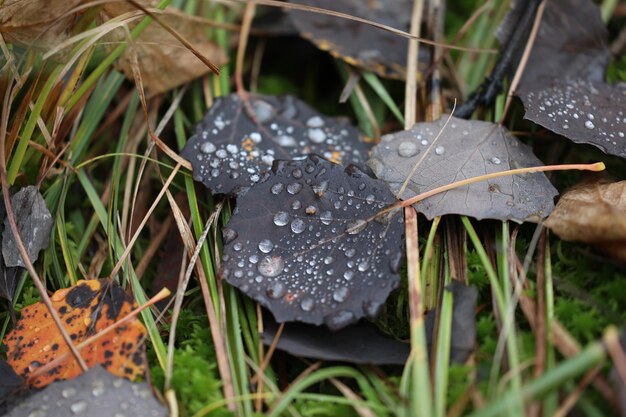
{"x": 378, "y": 87}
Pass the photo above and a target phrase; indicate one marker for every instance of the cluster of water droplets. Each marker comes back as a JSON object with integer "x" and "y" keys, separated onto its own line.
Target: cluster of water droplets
{"x": 315, "y": 245}
{"x": 582, "y": 111}
{"x": 232, "y": 148}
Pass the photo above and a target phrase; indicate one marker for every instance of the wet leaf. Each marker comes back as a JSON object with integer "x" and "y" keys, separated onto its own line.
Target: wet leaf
{"x": 34, "y": 223}
{"x": 8, "y": 281}
{"x": 465, "y": 149}
{"x": 360, "y": 343}
{"x": 95, "y": 393}
{"x": 306, "y": 243}
{"x": 236, "y": 143}
{"x": 593, "y": 213}
{"x": 463, "y": 335}
{"x": 86, "y": 308}
{"x": 10, "y": 382}
{"x": 363, "y": 343}
{"x": 563, "y": 86}
{"x": 164, "y": 62}
{"x": 358, "y": 43}
{"x": 40, "y": 23}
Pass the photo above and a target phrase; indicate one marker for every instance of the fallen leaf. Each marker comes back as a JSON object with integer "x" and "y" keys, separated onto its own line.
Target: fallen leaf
{"x": 10, "y": 382}
{"x": 465, "y": 149}
{"x": 95, "y": 393}
{"x": 593, "y": 213}
{"x": 39, "y": 23}
{"x": 363, "y": 343}
{"x": 360, "y": 343}
{"x": 563, "y": 87}
{"x": 86, "y": 308}
{"x": 164, "y": 62}
{"x": 232, "y": 148}
{"x": 463, "y": 333}
{"x": 307, "y": 243}
{"x": 358, "y": 43}
{"x": 8, "y": 281}
{"x": 34, "y": 222}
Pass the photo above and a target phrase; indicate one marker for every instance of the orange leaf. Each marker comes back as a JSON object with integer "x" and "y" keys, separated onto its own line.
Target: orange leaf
{"x": 85, "y": 309}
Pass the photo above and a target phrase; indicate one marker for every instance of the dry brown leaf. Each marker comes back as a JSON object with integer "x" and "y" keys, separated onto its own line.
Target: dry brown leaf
{"x": 164, "y": 62}
{"x": 39, "y": 23}
{"x": 593, "y": 213}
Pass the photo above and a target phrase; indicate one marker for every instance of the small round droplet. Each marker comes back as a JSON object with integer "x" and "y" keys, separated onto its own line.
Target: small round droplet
{"x": 369, "y": 199}
{"x": 78, "y": 407}
{"x": 298, "y": 225}
{"x": 495, "y": 160}
{"x": 38, "y": 413}
{"x": 98, "y": 388}
{"x": 207, "y": 147}
{"x": 281, "y": 218}
{"x": 356, "y": 227}
{"x": 285, "y": 140}
{"x": 238, "y": 246}
{"x": 316, "y": 135}
{"x": 339, "y": 319}
{"x": 364, "y": 266}
{"x": 350, "y": 252}
{"x": 68, "y": 392}
{"x": 341, "y": 294}
{"x": 307, "y": 304}
{"x": 407, "y": 149}
{"x": 326, "y": 217}
{"x": 294, "y": 188}
{"x": 348, "y": 275}
{"x": 277, "y": 188}
{"x": 440, "y": 150}
{"x": 310, "y": 210}
{"x": 276, "y": 290}
{"x": 296, "y": 205}
{"x": 315, "y": 121}
{"x": 297, "y": 173}
{"x": 589, "y": 125}
{"x": 266, "y": 246}
{"x": 328, "y": 260}
{"x": 228, "y": 235}
{"x": 271, "y": 266}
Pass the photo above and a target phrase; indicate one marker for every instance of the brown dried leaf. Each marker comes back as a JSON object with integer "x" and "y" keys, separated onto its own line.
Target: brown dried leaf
{"x": 593, "y": 213}
{"x": 164, "y": 62}
{"x": 40, "y": 23}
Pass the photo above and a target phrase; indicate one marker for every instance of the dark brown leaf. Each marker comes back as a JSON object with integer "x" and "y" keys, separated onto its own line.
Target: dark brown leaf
{"x": 358, "y": 43}
{"x": 232, "y": 148}
{"x": 306, "y": 242}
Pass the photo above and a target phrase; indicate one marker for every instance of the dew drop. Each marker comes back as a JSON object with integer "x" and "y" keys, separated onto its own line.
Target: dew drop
{"x": 271, "y": 266}
{"x": 495, "y": 160}
{"x": 341, "y": 294}
{"x": 281, "y": 218}
{"x": 285, "y": 140}
{"x": 315, "y": 121}
{"x": 296, "y": 205}
{"x": 297, "y": 173}
{"x": 98, "y": 388}
{"x": 589, "y": 125}
{"x": 68, "y": 392}
{"x": 348, "y": 275}
{"x": 316, "y": 135}
{"x": 320, "y": 188}
{"x": 294, "y": 188}
{"x": 276, "y": 290}
{"x": 310, "y": 210}
{"x": 364, "y": 266}
{"x": 369, "y": 199}
{"x": 339, "y": 319}
{"x": 328, "y": 260}
{"x": 237, "y": 246}
{"x": 253, "y": 259}
{"x": 307, "y": 304}
{"x": 424, "y": 142}
{"x": 350, "y": 252}
{"x": 78, "y": 407}
{"x": 38, "y": 413}
{"x": 326, "y": 217}
{"x": 298, "y": 225}
{"x": 277, "y": 188}
{"x": 407, "y": 149}
{"x": 266, "y": 246}
{"x": 263, "y": 111}
{"x": 439, "y": 150}
{"x": 228, "y": 235}
{"x": 221, "y": 153}
{"x": 356, "y": 227}
{"x": 207, "y": 147}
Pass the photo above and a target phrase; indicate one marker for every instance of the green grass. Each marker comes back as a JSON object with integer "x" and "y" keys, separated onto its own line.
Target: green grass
{"x": 111, "y": 173}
